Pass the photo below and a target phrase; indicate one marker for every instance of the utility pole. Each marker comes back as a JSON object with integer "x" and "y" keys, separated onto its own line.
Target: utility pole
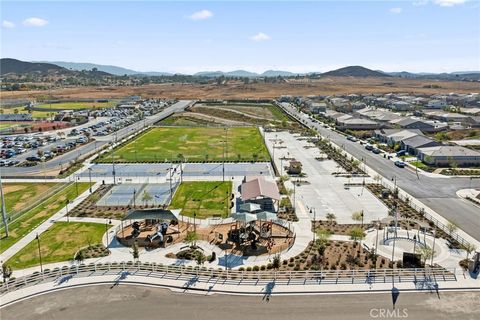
{"x": 90, "y": 178}
{"x": 4, "y": 209}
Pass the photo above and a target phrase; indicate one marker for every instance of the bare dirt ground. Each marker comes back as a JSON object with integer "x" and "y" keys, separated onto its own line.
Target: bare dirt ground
{"x": 236, "y": 90}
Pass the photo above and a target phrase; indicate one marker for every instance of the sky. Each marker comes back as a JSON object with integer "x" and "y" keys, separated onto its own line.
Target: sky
{"x": 187, "y": 37}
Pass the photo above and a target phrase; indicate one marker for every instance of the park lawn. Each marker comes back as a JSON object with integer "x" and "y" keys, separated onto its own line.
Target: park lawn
{"x": 205, "y": 198}
{"x": 77, "y": 105}
{"x": 194, "y": 144}
{"x": 35, "y": 114}
{"x": 18, "y": 228}
{"x": 6, "y": 125}
{"x": 58, "y": 243}
{"x": 20, "y": 195}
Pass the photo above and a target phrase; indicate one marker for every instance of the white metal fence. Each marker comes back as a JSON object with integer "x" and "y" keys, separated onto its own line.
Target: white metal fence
{"x": 420, "y": 277}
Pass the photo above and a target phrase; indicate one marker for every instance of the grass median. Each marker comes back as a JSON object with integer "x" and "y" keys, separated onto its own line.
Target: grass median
{"x": 58, "y": 243}
{"x": 37, "y": 215}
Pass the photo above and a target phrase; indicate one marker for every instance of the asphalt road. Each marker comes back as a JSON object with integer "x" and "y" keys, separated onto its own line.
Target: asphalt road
{"x": 99, "y": 142}
{"x": 437, "y": 193}
{"x": 135, "y": 302}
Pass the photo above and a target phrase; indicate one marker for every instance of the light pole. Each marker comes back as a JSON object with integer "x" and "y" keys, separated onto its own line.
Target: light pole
{"x": 66, "y": 206}
{"x": 314, "y": 221}
{"x": 4, "y": 209}
{"x": 39, "y": 253}
{"x": 433, "y": 247}
{"x": 376, "y": 238}
{"x": 76, "y": 184}
{"x": 90, "y": 178}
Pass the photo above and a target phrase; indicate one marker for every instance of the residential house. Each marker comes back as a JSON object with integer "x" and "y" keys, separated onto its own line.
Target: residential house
{"x": 413, "y": 143}
{"x": 449, "y": 155}
{"x": 351, "y": 123}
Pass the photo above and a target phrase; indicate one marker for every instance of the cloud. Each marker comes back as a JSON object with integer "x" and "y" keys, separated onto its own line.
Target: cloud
{"x": 449, "y": 3}
{"x": 201, "y": 15}
{"x": 395, "y": 10}
{"x": 260, "y": 37}
{"x": 8, "y": 24}
{"x": 420, "y": 3}
{"x": 35, "y": 22}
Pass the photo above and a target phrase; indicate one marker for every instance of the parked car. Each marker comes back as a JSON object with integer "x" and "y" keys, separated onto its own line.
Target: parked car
{"x": 400, "y": 153}
{"x": 400, "y": 164}
{"x": 33, "y": 159}
{"x": 369, "y": 147}
{"x": 376, "y": 151}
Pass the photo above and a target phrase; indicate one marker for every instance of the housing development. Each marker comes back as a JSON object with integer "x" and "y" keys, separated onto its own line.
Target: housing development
{"x": 237, "y": 194}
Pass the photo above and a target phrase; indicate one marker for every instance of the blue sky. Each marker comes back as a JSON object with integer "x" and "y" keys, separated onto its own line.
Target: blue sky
{"x": 418, "y": 35}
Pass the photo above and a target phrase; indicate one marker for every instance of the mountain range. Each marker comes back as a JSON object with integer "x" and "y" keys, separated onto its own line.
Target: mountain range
{"x": 44, "y": 67}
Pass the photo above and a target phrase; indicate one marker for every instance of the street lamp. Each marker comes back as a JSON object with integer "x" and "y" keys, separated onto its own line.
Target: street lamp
{"x": 90, "y": 178}
{"x": 4, "y": 209}
{"x": 314, "y": 221}
{"x": 433, "y": 246}
{"x": 39, "y": 252}
{"x": 66, "y": 206}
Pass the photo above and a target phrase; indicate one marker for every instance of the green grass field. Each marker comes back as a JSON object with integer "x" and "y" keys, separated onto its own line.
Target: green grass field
{"x": 194, "y": 144}
{"x": 58, "y": 243}
{"x": 34, "y": 217}
{"x": 35, "y": 114}
{"x": 205, "y": 198}
{"x": 77, "y": 105}
{"x": 20, "y": 195}
{"x": 6, "y": 125}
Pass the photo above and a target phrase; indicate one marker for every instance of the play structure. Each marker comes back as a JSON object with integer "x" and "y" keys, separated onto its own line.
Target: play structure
{"x": 150, "y": 228}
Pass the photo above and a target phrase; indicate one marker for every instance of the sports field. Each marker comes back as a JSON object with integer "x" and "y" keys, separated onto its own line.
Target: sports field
{"x": 20, "y": 195}
{"x": 58, "y": 243}
{"x": 205, "y": 198}
{"x": 76, "y": 105}
{"x": 35, "y": 114}
{"x": 193, "y": 144}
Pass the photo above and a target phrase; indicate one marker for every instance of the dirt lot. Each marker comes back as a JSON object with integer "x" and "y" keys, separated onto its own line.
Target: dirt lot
{"x": 236, "y": 90}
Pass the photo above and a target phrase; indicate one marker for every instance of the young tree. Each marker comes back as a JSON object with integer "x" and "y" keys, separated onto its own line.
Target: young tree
{"x": 191, "y": 238}
{"x": 356, "y": 234}
{"x": 331, "y": 218}
{"x": 276, "y": 262}
{"x": 469, "y": 248}
{"x": 323, "y": 237}
{"x": 357, "y": 216}
{"x": 425, "y": 253}
{"x": 6, "y": 272}
{"x": 146, "y": 197}
{"x": 451, "y": 226}
{"x": 200, "y": 258}
{"x": 135, "y": 253}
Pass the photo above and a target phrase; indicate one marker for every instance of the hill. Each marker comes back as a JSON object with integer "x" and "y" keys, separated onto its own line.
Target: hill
{"x": 355, "y": 71}
{"x": 8, "y": 65}
{"x": 110, "y": 69}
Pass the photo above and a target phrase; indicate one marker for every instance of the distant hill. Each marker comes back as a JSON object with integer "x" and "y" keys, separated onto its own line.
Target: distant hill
{"x": 8, "y": 65}
{"x": 118, "y": 71}
{"x": 278, "y": 73}
{"x": 355, "y": 71}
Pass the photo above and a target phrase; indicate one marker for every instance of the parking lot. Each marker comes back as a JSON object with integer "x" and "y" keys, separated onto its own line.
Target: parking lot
{"x": 29, "y": 149}
{"x": 323, "y": 192}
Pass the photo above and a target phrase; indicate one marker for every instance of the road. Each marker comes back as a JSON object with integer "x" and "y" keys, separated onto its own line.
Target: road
{"x": 99, "y": 142}
{"x": 135, "y": 302}
{"x": 437, "y": 193}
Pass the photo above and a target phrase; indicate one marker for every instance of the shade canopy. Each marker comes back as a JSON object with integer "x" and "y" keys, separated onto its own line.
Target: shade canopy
{"x": 153, "y": 214}
{"x": 250, "y": 207}
{"x": 266, "y": 215}
{"x": 245, "y": 217}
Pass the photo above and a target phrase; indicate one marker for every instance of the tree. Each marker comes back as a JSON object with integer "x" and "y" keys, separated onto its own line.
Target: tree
{"x": 331, "y": 218}
{"x": 135, "y": 253}
{"x": 15, "y": 111}
{"x": 469, "y": 248}
{"x": 323, "y": 237}
{"x": 80, "y": 256}
{"x": 356, "y": 234}
{"x": 276, "y": 262}
{"x": 357, "y": 216}
{"x": 451, "y": 226}
{"x": 6, "y": 272}
{"x": 191, "y": 238}
{"x": 146, "y": 197}
{"x": 425, "y": 253}
{"x": 181, "y": 157}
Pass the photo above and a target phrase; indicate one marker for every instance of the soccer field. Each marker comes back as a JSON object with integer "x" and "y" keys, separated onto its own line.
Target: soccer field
{"x": 193, "y": 144}
{"x": 77, "y": 105}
